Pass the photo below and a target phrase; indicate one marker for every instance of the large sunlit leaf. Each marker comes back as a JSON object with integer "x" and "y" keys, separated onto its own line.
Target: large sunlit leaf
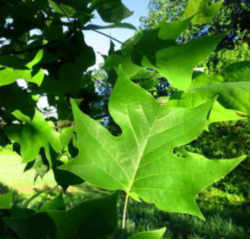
{"x": 141, "y": 161}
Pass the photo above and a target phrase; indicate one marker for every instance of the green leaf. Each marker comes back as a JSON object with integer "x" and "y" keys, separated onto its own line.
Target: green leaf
{"x": 33, "y": 135}
{"x": 11, "y": 94}
{"x": 231, "y": 95}
{"x": 115, "y": 60}
{"x": 157, "y": 234}
{"x": 62, "y": 9}
{"x": 142, "y": 46}
{"x": 116, "y": 25}
{"x": 141, "y": 161}
{"x": 54, "y": 204}
{"x": 176, "y": 63}
{"x": 91, "y": 219}
{"x": 173, "y": 61}
{"x": 27, "y": 225}
{"x": 38, "y": 57}
{"x": 163, "y": 36}
{"x": 239, "y": 71}
{"x": 218, "y": 113}
{"x": 66, "y": 135}
{"x": 65, "y": 178}
{"x": 10, "y": 75}
{"x": 6, "y": 200}
{"x": 192, "y": 8}
{"x": 13, "y": 62}
{"x": 112, "y": 10}
{"x": 172, "y": 30}
{"x": 202, "y": 11}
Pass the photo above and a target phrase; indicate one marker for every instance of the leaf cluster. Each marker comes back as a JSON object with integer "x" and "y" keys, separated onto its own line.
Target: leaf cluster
{"x": 44, "y": 46}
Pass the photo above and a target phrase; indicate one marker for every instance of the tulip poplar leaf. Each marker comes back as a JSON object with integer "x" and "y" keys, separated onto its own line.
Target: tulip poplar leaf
{"x": 141, "y": 160}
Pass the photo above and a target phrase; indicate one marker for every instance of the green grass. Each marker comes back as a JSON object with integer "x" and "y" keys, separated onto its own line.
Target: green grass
{"x": 12, "y": 174}
{"x": 222, "y": 221}
{"x": 227, "y": 212}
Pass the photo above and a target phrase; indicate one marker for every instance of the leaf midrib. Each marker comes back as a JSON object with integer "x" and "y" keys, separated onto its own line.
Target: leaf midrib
{"x": 139, "y": 158}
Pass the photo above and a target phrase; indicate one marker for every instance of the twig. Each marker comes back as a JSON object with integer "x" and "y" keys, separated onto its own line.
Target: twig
{"x": 64, "y": 126}
{"x": 108, "y": 36}
{"x": 37, "y": 194}
{"x": 26, "y": 204}
{"x": 124, "y": 214}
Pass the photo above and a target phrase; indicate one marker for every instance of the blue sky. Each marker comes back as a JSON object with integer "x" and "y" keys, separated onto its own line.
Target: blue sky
{"x": 101, "y": 43}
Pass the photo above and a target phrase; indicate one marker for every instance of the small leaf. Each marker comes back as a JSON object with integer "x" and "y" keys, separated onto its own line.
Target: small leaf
{"x": 202, "y": 11}
{"x": 172, "y": 30}
{"x": 6, "y": 200}
{"x": 38, "y": 57}
{"x": 218, "y": 113}
{"x": 33, "y": 135}
{"x": 157, "y": 234}
{"x": 10, "y": 75}
{"x": 116, "y": 25}
{"x": 66, "y": 135}
{"x": 231, "y": 95}
{"x": 112, "y": 10}
{"x": 11, "y": 94}
{"x": 62, "y": 9}
{"x": 54, "y": 204}
{"x": 235, "y": 72}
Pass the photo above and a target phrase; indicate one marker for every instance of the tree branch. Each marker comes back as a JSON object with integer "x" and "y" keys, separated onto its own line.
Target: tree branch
{"x": 108, "y": 36}
{"x": 64, "y": 126}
